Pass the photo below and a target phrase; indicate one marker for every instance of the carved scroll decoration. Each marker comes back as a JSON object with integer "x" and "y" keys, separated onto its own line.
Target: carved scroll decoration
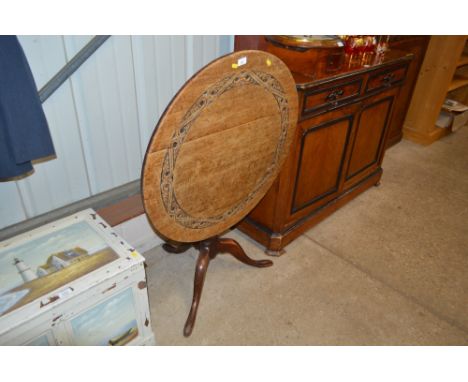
{"x": 262, "y": 79}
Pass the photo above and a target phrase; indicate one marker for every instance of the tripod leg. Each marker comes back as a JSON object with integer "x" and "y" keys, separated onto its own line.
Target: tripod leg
{"x": 200, "y": 273}
{"x": 225, "y": 245}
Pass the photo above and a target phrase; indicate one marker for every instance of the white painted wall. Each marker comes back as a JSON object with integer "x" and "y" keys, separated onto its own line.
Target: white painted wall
{"x": 101, "y": 119}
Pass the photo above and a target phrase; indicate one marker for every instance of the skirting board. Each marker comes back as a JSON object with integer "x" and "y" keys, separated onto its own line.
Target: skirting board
{"x": 138, "y": 232}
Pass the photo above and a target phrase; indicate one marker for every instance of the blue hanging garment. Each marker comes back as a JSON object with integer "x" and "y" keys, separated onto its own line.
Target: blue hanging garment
{"x": 24, "y": 133}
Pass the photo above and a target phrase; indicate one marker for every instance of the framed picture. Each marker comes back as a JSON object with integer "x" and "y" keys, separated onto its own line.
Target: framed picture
{"x": 35, "y": 266}
{"x": 111, "y": 322}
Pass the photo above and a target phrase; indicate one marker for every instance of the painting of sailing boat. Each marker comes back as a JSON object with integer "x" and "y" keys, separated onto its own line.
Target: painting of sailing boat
{"x": 39, "y": 266}
{"x": 112, "y": 322}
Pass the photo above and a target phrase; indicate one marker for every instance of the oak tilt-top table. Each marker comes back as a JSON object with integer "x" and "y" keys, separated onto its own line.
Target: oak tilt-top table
{"x": 214, "y": 154}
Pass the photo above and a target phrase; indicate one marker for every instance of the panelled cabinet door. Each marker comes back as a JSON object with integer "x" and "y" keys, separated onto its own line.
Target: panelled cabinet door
{"x": 321, "y": 158}
{"x": 368, "y": 138}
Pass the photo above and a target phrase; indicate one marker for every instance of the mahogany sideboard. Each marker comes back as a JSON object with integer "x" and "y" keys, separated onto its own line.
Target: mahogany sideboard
{"x": 337, "y": 150}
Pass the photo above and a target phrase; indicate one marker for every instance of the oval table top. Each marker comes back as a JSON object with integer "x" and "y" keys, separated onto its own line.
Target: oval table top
{"x": 219, "y": 146}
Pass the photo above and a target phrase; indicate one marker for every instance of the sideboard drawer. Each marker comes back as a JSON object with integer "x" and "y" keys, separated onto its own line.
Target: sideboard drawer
{"x": 331, "y": 96}
{"x": 386, "y": 78}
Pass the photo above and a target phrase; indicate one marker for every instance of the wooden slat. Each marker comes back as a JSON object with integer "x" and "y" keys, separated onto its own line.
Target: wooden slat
{"x": 462, "y": 61}
{"x": 122, "y": 211}
{"x": 458, "y": 81}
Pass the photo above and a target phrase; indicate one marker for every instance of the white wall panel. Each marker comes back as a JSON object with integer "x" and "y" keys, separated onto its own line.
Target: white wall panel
{"x": 104, "y": 93}
{"x": 129, "y": 126}
{"x": 74, "y": 44}
{"x": 102, "y": 118}
{"x": 179, "y": 66}
{"x": 45, "y": 55}
{"x": 146, "y": 86}
{"x": 198, "y": 53}
{"x": 11, "y": 206}
{"x": 162, "y": 65}
{"x": 64, "y": 180}
{"x": 163, "y": 70}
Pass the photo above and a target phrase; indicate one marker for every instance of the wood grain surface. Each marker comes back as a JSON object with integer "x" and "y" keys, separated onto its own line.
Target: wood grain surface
{"x": 219, "y": 146}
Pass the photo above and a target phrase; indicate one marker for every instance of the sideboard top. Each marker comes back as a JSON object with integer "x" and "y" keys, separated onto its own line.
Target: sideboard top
{"x": 352, "y": 66}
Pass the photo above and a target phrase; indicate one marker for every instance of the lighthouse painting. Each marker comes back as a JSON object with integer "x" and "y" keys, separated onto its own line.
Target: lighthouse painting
{"x": 39, "y": 266}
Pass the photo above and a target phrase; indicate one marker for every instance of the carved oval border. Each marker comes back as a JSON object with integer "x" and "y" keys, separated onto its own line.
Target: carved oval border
{"x": 266, "y": 81}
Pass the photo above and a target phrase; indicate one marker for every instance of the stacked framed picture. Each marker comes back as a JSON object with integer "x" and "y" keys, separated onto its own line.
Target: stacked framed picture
{"x": 73, "y": 282}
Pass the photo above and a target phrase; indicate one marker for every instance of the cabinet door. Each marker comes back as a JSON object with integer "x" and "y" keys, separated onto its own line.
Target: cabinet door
{"x": 320, "y": 159}
{"x": 369, "y": 136}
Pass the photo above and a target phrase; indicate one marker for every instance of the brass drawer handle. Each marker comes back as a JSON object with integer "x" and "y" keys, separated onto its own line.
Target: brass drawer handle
{"x": 334, "y": 95}
{"x": 387, "y": 79}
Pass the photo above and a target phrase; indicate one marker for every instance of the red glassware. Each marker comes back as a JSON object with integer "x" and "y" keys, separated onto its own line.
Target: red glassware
{"x": 354, "y": 45}
{"x": 349, "y": 44}
{"x": 369, "y": 44}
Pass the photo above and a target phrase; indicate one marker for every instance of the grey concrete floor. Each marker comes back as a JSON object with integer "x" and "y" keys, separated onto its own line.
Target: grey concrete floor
{"x": 389, "y": 268}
